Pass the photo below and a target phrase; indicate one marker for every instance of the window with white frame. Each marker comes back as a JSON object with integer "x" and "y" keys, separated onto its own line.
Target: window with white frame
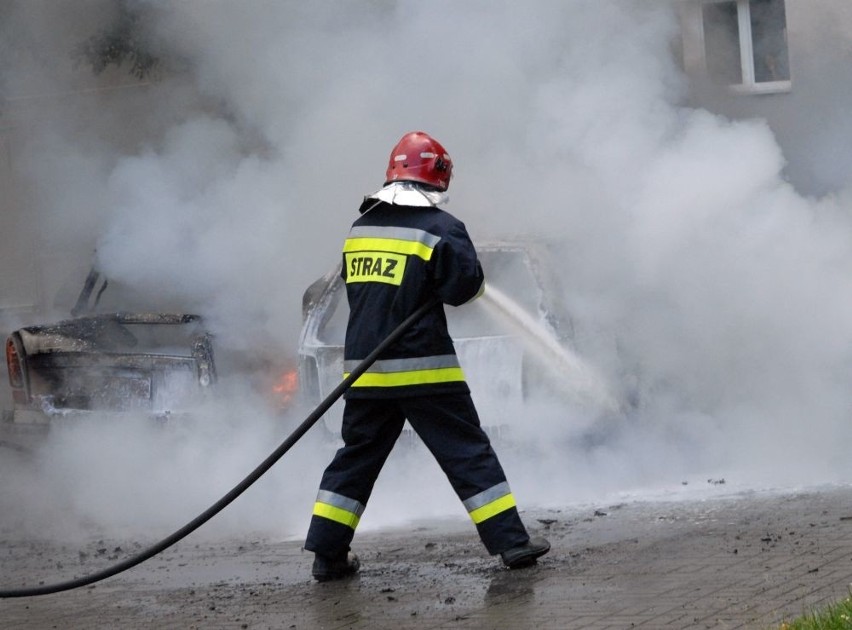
{"x": 743, "y": 43}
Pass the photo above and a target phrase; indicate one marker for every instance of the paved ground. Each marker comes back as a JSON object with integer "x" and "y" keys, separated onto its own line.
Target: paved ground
{"x": 744, "y": 561}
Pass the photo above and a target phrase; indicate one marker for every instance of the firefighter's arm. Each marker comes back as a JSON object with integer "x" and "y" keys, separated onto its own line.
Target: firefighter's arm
{"x": 457, "y": 272}
{"x": 478, "y": 293}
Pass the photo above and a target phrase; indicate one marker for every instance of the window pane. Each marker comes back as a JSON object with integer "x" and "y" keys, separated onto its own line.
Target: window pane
{"x": 722, "y": 42}
{"x": 769, "y": 38}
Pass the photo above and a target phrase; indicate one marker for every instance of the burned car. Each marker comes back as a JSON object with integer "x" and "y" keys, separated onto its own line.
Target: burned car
{"x": 520, "y": 318}
{"x": 105, "y": 360}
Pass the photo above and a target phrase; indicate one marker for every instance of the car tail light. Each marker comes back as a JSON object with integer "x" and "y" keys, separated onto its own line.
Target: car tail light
{"x": 13, "y": 362}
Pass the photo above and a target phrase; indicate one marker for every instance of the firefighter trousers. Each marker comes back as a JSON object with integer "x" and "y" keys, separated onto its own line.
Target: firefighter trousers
{"x": 449, "y": 427}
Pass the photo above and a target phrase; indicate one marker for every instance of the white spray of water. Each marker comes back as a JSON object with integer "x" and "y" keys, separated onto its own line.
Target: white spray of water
{"x": 574, "y": 375}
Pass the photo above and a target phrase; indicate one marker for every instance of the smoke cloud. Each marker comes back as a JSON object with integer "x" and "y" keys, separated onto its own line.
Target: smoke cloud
{"x": 711, "y": 294}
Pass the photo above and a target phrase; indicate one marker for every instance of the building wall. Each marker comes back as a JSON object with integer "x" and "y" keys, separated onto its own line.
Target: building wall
{"x": 18, "y": 281}
{"x": 811, "y": 120}
{"x": 36, "y": 257}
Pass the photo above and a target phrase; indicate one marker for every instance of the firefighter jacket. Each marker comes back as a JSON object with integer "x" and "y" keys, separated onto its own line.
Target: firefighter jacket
{"x": 395, "y": 259}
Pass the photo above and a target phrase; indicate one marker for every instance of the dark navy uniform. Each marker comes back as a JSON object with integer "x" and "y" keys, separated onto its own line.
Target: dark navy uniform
{"x": 395, "y": 259}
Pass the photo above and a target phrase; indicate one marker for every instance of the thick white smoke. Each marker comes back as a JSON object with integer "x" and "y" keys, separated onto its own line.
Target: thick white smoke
{"x": 710, "y": 293}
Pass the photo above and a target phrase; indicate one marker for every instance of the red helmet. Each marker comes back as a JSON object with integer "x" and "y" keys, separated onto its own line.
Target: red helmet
{"x": 418, "y": 157}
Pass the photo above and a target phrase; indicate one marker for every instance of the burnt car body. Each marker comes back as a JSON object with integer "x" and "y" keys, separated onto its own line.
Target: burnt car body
{"x": 493, "y": 353}
{"x": 150, "y": 362}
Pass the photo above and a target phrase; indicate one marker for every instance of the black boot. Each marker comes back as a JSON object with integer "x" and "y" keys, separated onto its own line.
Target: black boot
{"x": 526, "y": 554}
{"x": 333, "y": 568}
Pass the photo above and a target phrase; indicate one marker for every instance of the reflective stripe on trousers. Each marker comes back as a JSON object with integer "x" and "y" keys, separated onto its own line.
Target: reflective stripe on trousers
{"x": 490, "y": 503}
{"x": 338, "y": 508}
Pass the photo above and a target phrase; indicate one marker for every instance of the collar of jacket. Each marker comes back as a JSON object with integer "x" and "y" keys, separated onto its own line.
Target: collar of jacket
{"x": 409, "y": 194}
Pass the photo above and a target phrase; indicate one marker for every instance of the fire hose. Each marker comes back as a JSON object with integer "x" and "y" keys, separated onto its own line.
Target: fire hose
{"x": 241, "y": 487}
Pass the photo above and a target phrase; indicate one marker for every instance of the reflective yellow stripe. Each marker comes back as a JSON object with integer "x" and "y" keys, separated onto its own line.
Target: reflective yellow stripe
{"x": 336, "y": 514}
{"x": 412, "y": 364}
{"x": 493, "y": 509}
{"x": 392, "y": 245}
{"x": 417, "y": 377}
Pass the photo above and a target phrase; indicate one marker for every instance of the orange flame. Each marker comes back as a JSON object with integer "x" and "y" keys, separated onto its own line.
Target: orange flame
{"x": 285, "y": 388}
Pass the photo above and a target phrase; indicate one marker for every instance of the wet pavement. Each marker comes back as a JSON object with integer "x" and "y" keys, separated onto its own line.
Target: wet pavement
{"x": 746, "y": 560}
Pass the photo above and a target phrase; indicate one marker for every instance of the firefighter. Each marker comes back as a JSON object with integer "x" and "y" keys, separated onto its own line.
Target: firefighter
{"x": 399, "y": 253}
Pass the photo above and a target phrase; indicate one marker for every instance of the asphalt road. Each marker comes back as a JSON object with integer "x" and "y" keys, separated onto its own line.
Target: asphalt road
{"x": 747, "y": 560}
